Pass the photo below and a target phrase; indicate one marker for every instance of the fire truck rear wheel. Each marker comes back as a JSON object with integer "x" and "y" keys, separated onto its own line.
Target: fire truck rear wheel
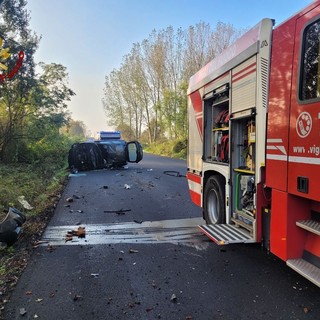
{"x": 214, "y": 206}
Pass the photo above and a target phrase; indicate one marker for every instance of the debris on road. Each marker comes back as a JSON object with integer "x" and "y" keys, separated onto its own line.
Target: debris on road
{"x": 80, "y": 233}
{"x": 173, "y": 298}
{"x": 94, "y": 275}
{"x": 133, "y": 251}
{"x": 23, "y": 311}
{"x": 76, "y": 297}
{"x": 121, "y": 211}
{"x": 305, "y": 310}
{"x": 126, "y": 186}
{"x": 37, "y": 243}
{"x": 70, "y": 199}
{"x": 138, "y": 221}
{"x": 174, "y": 174}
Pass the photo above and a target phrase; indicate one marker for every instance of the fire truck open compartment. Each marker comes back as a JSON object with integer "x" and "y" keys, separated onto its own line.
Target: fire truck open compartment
{"x": 242, "y": 174}
{"x": 216, "y": 125}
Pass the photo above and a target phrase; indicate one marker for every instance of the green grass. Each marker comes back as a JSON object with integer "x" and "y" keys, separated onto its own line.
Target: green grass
{"x": 37, "y": 183}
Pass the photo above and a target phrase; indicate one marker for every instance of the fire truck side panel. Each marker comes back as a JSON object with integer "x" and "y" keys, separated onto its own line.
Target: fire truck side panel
{"x": 313, "y": 244}
{"x": 286, "y": 239}
{"x": 223, "y": 79}
{"x": 244, "y": 85}
{"x": 304, "y": 146}
{"x": 279, "y": 106}
{"x": 195, "y": 146}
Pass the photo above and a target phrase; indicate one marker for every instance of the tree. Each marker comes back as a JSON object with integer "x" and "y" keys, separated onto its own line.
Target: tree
{"x": 149, "y": 91}
{"x": 15, "y": 92}
{"x": 75, "y": 128}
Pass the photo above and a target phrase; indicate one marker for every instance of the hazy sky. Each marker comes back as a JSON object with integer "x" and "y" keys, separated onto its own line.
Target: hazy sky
{"x": 90, "y": 37}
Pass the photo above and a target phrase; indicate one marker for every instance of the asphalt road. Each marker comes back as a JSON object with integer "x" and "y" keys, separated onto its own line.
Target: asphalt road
{"x": 144, "y": 258}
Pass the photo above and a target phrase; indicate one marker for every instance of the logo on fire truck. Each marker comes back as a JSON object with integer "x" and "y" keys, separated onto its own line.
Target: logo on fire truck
{"x": 5, "y": 73}
{"x": 304, "y": 124}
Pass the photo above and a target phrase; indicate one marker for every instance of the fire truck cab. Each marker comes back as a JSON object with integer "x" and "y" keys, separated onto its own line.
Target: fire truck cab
{"x": 254, "y": 141}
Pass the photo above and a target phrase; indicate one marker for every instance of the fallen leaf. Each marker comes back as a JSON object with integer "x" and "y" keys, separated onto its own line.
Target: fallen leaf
{"x": 305, "y": 310}
{"x": 68, "y": 238}
{"x": 28, "y": 293}
{"x": 81, "y": 232}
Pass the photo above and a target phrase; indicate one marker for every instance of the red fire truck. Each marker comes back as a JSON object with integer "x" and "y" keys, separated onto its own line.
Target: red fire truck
{"x": 254, "y": 141}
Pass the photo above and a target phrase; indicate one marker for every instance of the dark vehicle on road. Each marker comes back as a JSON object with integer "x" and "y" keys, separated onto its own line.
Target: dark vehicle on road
{"x": 108, "y": 152}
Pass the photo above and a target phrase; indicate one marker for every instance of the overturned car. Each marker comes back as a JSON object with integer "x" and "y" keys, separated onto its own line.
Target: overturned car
{"x": 108, "y": 152}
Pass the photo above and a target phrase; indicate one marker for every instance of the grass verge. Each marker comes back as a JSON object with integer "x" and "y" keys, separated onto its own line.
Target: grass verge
{"x": 41, "y": 186}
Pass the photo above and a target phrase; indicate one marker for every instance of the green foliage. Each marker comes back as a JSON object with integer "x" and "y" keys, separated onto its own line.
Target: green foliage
{"x": 32, "y": 108}
{"x": 180, "y": 146}
{"x": 174, "y": 149}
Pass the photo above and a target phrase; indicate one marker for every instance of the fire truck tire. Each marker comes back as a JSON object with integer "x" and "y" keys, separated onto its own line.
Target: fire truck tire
{"x": 214, "y": 205}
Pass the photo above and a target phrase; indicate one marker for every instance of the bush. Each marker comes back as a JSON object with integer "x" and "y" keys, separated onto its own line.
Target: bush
{"x": 174, "y": 149}
{"x": 179, "y": 146}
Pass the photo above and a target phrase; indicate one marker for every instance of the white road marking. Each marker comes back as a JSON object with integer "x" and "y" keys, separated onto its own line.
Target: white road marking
{"x": 177, "y": 231}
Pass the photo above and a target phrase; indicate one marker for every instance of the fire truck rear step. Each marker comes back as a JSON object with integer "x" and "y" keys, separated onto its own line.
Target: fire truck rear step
{"x": 306, "y": 269}
{"x": 310, "y": 225}
{"x": 226, "y": 233}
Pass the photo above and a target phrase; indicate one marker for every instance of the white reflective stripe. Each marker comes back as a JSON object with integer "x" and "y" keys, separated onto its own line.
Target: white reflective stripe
{"x": 277, "y": 157}
{"x": 304, "y": 160}
{"x": 194, "y": 186}
{"x": 274, "y": 140}
{"x": 272, "y": 148}
{"x": 291, "y": 159}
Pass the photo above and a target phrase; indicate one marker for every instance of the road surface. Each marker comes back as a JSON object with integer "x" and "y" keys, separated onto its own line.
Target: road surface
{"x": 143, "y": 258}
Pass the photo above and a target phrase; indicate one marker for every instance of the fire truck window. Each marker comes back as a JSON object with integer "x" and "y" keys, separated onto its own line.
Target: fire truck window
{"x": 310, "y": 72}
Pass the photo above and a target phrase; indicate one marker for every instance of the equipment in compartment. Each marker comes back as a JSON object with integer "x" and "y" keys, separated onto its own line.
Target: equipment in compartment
{"x": 247, "y": 189}
{"x": 251, "y": 139}
{"x": 221, "y": 134}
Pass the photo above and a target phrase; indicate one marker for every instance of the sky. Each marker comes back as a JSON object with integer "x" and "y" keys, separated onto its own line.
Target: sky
{"x": 91, "y": 37}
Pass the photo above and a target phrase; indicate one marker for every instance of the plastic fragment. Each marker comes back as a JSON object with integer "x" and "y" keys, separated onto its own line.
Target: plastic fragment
{"x": 173, "y": 298}
{"x": 24, "y": 203}
{"x": 22, "y": 311}
{"x": 94, "y": 275}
